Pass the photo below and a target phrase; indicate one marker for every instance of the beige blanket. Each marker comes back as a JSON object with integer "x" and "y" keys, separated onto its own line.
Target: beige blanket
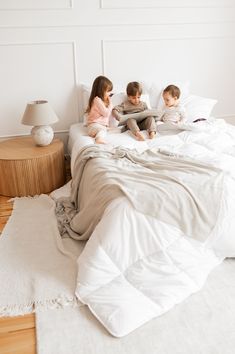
{"x": 182, "y": 193}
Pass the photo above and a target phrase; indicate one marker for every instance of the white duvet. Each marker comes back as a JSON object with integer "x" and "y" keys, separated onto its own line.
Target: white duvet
{"x": 135, "y": 267}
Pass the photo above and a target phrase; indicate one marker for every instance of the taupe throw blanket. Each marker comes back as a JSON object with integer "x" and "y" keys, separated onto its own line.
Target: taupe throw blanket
{"x": 182, "y": 193}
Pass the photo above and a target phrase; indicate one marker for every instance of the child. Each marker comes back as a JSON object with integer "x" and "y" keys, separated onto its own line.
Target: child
{"x": 99, "y": 109}
{"x": 172, "y": 111}
{"x": 133, "y": 104}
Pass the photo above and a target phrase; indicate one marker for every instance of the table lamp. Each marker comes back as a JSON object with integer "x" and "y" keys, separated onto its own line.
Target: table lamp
{"x": 40, "y": 115}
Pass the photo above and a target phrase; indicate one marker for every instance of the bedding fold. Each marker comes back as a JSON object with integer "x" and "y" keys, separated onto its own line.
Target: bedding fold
{"x": 181, "y": 192}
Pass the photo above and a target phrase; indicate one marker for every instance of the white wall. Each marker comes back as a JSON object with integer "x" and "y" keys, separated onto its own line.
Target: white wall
{"x": 49, "y": 47}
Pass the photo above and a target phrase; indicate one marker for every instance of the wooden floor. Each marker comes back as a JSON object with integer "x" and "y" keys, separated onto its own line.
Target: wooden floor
{"x": 17, "y": 334}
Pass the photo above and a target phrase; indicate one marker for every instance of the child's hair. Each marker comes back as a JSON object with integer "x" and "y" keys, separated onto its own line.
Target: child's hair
{"x": 100, "y": 85}
{"x": 173, "y": 90}
{"x": 133, "y": 88}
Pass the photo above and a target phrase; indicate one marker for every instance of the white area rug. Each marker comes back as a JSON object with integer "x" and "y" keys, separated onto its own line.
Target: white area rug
{"x": 38, "y": 273}
{"x": 203, "y": 324}
{"x": 35, "y": 267}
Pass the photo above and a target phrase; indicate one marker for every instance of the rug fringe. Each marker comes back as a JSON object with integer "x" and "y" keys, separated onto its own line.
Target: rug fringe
{"x": 26, "y": 197}
{"x": 20, "y": 310}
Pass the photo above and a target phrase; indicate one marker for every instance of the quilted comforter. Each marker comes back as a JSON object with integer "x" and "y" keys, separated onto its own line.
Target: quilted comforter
{"x": 157, "y": 223}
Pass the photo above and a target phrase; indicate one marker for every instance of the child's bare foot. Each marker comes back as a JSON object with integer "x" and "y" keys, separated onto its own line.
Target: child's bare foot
{"x": 100, "y": 141}
{"x": 152, "y": 135}
{"x": 139, "y": 136}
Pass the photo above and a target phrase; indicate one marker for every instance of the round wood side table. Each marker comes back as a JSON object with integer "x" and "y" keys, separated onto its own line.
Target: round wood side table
{"x": 27, "y": 169}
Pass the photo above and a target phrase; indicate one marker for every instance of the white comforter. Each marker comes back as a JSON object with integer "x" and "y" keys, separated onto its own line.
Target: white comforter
{"x": 135, "y": 267}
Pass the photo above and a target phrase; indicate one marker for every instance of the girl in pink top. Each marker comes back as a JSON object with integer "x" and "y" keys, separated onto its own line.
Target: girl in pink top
{"x": 99, "y": 109}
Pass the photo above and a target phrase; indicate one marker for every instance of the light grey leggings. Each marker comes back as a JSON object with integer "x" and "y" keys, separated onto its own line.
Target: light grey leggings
{"x": 96, "y": 130}
{"x": 146, "y": 124}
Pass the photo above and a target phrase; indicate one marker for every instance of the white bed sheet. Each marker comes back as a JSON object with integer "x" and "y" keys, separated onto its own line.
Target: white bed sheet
{"x": 78, "y": 138}
{"x": 211, "y": 141}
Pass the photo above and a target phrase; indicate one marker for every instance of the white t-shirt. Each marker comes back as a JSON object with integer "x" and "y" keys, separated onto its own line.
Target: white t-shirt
{"x": 174, "y": 114}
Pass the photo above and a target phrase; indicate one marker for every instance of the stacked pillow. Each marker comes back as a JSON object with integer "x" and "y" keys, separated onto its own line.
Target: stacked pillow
{"x": 197, "y": 107}
{"x": 155, "y": 92}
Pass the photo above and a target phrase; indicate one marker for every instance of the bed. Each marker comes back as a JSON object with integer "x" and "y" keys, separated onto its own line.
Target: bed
{"x": 158, "y": 217}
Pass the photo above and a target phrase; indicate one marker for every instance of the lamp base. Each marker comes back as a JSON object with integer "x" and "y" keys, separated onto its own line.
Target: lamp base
{"x": 42, "y": 135}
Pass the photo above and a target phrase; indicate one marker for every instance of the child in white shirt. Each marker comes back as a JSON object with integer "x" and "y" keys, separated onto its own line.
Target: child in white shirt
{"x": 172, "y": 111}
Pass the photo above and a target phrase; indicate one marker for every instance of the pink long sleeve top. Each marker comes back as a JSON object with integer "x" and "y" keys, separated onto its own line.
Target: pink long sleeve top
{"x": 99, "y": 113}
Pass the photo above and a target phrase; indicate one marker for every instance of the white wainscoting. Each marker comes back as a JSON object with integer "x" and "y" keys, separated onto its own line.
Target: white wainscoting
{"x": 33, "y": 71}
{"x": 135, "y": 4}
{"x": 207, "y": 65}
{"x": 48, "y": 48}
{"x": 35, "y": 5}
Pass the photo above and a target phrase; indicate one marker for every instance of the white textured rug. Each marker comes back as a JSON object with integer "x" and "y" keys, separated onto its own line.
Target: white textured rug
{"x": 38, "y": 273}
{"x": 203, "y": 324}
{"x": 35, "y": 267}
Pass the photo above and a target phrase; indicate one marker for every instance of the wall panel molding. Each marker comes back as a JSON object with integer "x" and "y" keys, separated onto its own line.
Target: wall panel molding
{"x": 155, "y": 4}
{"x": 103, "y": 56}
{"x": 204, "y": 60}
{"x": 60, "y": 44}
{"x": 106, "y": 41}
{"x": 29, "y": 5}
{"x": 68, "y": 14}
{"x": 44, "y": 70}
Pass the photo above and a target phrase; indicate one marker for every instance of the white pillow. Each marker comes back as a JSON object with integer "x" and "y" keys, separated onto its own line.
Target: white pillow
{"x": 198, "y": 107}
{"x": 145, "y": 98}
{"x": 85, "y": 94}
{"x": 118, "y": 98}
{"x": 156, "y": 90}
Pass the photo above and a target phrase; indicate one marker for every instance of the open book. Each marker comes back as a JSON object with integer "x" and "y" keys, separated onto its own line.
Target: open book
{"x": 122, "y": 118}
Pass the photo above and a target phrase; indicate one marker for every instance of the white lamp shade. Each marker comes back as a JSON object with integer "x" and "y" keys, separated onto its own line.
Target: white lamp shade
{"x": 39, "y": 113}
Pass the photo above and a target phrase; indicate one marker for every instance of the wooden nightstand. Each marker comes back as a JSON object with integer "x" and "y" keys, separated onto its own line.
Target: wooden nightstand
{"x": 26, "y": 169}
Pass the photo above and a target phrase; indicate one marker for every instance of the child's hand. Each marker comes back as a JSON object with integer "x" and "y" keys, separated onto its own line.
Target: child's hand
{"x": 115, "y": 114}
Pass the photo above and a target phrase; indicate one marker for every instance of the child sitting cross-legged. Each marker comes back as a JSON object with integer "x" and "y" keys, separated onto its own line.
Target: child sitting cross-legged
{"x": 133, "y": 104}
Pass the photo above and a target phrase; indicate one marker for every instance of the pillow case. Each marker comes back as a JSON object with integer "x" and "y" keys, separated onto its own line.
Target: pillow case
{"x": 197, "y": 107}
